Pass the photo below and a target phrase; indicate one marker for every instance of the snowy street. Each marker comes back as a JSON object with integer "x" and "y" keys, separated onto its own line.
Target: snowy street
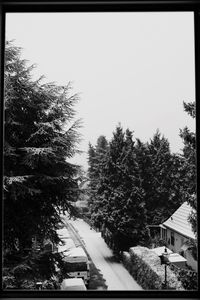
{"x": 115, "y": 275}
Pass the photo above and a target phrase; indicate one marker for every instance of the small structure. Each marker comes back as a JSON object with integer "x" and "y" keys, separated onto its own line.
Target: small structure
{"x": 173, "y": 258}
{"x": 177, "y": 259}
{"x": 178, "y": 234}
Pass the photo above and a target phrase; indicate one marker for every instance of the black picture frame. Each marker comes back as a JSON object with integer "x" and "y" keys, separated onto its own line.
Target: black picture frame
{"x": 99, "y": 6}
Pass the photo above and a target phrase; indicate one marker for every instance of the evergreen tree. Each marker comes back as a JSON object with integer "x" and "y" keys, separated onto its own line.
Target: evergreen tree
{"x": 120, "y": 192}
{"x": 91, "y": 162}
{"x": 161, "y": 179}
{"x": 40, "y": 136}
{"x": 189, "y": 165}
{"x": 96, "y": 156}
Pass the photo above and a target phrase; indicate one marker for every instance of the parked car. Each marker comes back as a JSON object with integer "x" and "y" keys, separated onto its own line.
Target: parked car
{"x": 73, "y": 284}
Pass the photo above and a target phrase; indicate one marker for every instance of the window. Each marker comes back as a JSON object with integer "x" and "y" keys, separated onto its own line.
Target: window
{"x": 164, "y": 234}
{"x": 76, "y": 266}
{"x": 172, "y": 238}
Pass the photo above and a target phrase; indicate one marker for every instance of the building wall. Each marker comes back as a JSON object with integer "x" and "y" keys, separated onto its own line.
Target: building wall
{"x": 179, "y": 240}
{"x": 169, "y": 235}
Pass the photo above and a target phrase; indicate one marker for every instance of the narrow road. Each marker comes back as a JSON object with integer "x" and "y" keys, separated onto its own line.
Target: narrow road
{"x": 115, "y": 274}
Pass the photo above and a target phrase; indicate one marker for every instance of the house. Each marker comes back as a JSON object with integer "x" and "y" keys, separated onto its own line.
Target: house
{"x": 178, "y": 234}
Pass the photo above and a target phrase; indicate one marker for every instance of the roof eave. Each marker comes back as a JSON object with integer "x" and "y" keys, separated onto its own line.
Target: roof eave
{"x": 185, "y": 235}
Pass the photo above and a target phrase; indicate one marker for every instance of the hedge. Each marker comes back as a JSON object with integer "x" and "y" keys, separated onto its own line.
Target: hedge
{"x": 187, "y": 277}
{"x": 145, "y": 267}
{"x": 126, "y": 258}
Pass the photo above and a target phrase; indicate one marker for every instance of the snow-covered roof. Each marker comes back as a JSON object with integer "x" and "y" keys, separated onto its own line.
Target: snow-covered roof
{"x": 175, "y": 257}
{"x": 63, "y": 233}
{"x": 73, "y": 284}
{"x": 77, "y": 252}
{"x": 160, "y": 250}
{"x": 172, "y": 257}
{"x": 68, "y": 245}
{"x": 179, "y": 221}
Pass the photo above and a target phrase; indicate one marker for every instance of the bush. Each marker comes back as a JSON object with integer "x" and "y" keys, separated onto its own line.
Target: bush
{"x": 156, "y": 242}
{"x": 188, "y": 278}
{"x": 126, "y": 258}
{"x": 145, "y": 267}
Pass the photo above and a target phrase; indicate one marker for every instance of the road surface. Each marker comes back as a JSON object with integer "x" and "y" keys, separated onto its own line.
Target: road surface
{"x": 115, "y": 275}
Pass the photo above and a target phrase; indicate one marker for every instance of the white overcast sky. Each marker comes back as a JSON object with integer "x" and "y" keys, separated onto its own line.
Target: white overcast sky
{"x": 132, "y": 68}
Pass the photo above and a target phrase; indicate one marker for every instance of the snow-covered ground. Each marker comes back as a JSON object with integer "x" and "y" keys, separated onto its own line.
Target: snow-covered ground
{"x": 115, "y": 274}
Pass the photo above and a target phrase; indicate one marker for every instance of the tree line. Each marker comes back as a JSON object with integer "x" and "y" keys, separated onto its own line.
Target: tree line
{"x": 133, "y": 184}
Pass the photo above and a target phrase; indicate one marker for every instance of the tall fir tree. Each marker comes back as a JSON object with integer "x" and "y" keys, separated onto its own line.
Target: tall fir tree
{"x": 39, "y": 138}
{"x": 161, "y": 178}
{"x": 120, "y": 192}
{"x": 189, "y": 192}
{"x": 96, "y": 156}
